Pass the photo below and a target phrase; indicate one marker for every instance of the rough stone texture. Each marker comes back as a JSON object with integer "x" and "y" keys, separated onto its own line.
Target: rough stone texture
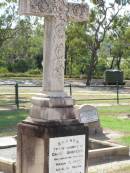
{"x": 33, "y": 143}
{"x": 95, "y": 128}
{"x": 57, "y": 13}
{"x": 53, "y": 108}
{"x": 7, "y": 166}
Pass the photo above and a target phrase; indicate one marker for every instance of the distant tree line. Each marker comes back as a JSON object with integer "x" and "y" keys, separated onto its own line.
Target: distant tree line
{"x": 101, "y": 43}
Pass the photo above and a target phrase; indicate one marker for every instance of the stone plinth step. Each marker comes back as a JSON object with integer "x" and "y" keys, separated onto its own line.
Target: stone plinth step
{"x": 7, "y": 142}
{"x": 8, "y": 160}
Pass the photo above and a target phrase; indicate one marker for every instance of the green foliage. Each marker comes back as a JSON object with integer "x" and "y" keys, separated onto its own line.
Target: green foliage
{"x": 18, "y": 75}
{"x": 122, "y": 2}
{"x": 19, "y": 65}
{"x": 3, "y": 70}
{"x": 21, "y": 42}
{"x": 8, "y": 16}
{"x": 34, "y": 72}
{"x": 77, "y": 53}
{"x": 100, "y": 68}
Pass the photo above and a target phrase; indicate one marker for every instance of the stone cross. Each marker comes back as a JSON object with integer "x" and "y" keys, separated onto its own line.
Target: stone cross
{"x": 57, "y": 13}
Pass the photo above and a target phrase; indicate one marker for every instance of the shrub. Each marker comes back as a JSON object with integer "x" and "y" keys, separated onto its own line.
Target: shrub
{"x": 34, "y": 71}
{"x": 3, "y": 70}
{"x": 19, "y": 65}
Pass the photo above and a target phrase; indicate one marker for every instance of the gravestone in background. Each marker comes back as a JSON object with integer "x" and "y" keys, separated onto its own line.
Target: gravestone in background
{"x": 51, "y": 140}
{"x": 89, "y": 116}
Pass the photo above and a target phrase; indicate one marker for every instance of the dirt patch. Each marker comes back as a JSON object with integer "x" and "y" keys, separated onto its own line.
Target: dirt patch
{"x": 112, "y": 167}
{"x": 112, "y": 135}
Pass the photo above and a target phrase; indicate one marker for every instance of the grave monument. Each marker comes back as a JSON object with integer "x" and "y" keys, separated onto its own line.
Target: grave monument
{"x": 51, "y": 140}
{"x": 88, "y": 115}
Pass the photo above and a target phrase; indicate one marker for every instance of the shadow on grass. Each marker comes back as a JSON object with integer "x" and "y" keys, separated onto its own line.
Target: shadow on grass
{"x": 9, "y": 120}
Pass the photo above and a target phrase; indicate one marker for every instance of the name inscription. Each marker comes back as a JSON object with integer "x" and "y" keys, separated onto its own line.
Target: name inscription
{"x": 89, "y": 116}
{"x": 67, "y": 154}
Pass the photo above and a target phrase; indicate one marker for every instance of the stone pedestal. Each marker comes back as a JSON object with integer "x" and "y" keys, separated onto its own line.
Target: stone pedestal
{"x": 52, "y": 114}
{"x": 53, "y": 106}
{"x": 36, "y": 142}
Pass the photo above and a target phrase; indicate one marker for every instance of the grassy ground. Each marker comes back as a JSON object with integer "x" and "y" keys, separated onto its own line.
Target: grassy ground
{"x": 83, "y": 95}
{"x": 125, "y": 140}
{"x": 115, "y": 118}
{"x": 9, "y": 120}
{"x": 111, "y": 117}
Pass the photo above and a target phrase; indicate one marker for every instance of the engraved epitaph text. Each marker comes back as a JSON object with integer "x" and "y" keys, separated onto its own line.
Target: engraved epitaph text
{"x": 67, "y": 154}
{"x": 88, "y": 114}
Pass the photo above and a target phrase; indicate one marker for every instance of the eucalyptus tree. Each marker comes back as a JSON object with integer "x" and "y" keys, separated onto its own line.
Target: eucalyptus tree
{"x": 120, "y": 2}
{"x": 8, "y": 18}
{"x": 119, "y": 40}
{"x": 100, "y": 23}
{"x": 19, "y": 38}
{"x": 77, "y": 54}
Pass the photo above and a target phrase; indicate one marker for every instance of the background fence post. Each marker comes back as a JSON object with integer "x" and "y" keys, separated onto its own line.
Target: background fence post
{"x": 117, "y": 87}
{"x": 17, "y": 95}
{"x": 70, "y": 90}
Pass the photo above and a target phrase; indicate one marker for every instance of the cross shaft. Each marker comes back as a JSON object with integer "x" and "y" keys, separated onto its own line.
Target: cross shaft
{"x": 56, "y": 13}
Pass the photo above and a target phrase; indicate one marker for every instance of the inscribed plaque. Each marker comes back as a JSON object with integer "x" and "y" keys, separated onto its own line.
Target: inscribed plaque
{"x": 88, "y": 114}
{"x": 67, "y": 154}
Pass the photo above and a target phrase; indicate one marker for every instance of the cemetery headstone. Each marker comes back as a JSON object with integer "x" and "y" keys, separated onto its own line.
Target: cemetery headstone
{"x": 89, "y": 116}
{"x": 51, "y": 140}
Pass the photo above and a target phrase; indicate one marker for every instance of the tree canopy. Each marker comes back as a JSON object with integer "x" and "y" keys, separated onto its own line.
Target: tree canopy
{"x": 91, "y": 47}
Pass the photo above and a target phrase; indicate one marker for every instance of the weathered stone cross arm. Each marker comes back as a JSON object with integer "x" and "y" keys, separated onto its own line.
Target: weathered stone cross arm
{"x": 56, "y": 13}
{"x": 73, "y": 11}
{"x": 77, "y": 12}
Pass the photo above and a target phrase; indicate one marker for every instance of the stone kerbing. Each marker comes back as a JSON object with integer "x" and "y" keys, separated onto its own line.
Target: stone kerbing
{"x": 7, "y": 166}
{"x": 109, "y": 151}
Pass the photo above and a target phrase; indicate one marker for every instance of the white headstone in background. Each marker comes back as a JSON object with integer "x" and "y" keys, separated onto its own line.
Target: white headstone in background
{"x": 67, "y": 154}
{"x": 88, "y": 114}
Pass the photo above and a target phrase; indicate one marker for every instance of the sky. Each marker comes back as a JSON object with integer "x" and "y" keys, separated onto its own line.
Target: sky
{"x": 125, "y": 8}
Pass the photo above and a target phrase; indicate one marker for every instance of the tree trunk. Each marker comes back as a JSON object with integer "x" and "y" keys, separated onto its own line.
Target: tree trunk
{"x": 118, "y": 63}
{"x": 71, "y": 69}
{"x": 89, "y": 76}
{"x": 112, "y": 63}
{"x": 91, "y": 68}
{"x": 66, "y": 56}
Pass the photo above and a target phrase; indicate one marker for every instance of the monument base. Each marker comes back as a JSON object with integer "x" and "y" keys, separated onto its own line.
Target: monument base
{"x": 52, "y": 147}
{"x": 51, "y": 107}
